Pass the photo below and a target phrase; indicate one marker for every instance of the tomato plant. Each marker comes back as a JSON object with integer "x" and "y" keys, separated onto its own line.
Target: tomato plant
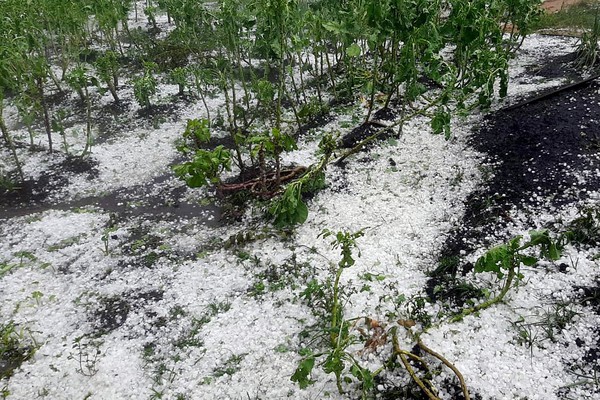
{"x": 205, "y": 166}
{"x": 145, "y": 86}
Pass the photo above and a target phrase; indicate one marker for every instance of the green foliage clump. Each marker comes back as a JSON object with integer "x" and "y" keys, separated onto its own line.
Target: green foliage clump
{"x": 289, "y": 209}
{"x": 585, "y": 229}
{"x": 588, "y": 49}
{"x": 206, "y": 166}
{"x": 145, "y": 86}
{"x": 107, "y": 67}
{"x": 15, "y": 348}
{"x": 179, "y": 75}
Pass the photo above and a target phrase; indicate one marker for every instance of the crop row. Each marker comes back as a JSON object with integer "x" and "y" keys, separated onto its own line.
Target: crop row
{"x": 277, "y": 63}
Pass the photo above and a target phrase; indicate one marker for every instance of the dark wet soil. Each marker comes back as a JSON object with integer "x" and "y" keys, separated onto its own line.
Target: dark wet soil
{"x": 368, "y": 128}
{"x": 34, "y": 192}
{"x": 541, "y": 153}
{"x": 165, "y": 203}
{"x": 589, "y": 296}
{"x": 313, "y": 122}
{"x": 112, "y": 312}
{"x": 110, "y": 119}
{"x": 547, "y": 155}
{"x": 561, "y": 67}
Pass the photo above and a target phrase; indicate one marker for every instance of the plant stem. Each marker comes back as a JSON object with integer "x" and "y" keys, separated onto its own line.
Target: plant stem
{"x": 461, "y": 379}
{"x": 402, "y": 354}
{"x": 11, "y": 146}
{"x": 88, "y": 123}
{"x": 335, "y": 306}
{"x": 373, "y": 87}
{"x": 507, "y": 284}
{"x": 40, "y": 90}
{"x": 201, "y": 94}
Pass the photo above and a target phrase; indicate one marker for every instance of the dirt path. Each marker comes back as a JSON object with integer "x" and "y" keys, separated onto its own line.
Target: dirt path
{"x": 557, "y": 5}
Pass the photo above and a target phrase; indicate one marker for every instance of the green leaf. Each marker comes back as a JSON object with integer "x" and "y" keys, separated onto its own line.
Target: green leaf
{"x": 414, "y": 90}
{"x": 353, "y": 50}
{"x": 528, "y": 260}
{"x": 553, "y": 252}
{"x": 305, "y": 352}
{"x": 205, "y": 168}
{"x": 301, "y": 212}
{"x": 496, "y": 259}
{"x": 515, "y": 243}
{"x": 539, "y": 237}
{"x": 440, "y": 123}
{"x": 289, "y": 209}
{"x": 548, "y": 247}
{"x": 196, "y": 181}
{"x": 363, "y": 375}
{"x": 334, "y": 27}
{"x": 287, "y": 143}
{"x": 333, "y": 363}
{"x": 302, "y": 373}
{"x": 197, "y": 129}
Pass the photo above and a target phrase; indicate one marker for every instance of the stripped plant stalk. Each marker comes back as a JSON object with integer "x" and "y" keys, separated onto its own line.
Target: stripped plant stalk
{"x": 460, "y": 377}
{"x": 9, "y": 142}
{"x": 402, "y": 354}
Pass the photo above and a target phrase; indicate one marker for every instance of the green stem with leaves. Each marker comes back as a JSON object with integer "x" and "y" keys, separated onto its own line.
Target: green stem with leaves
{"x": 507, "y": 258}
{"x": 335, "y": 307}
{"x": 495, "y": 300}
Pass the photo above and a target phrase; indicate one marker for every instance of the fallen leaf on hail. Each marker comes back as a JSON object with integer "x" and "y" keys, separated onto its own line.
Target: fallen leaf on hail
{"x": 407, "y": 323}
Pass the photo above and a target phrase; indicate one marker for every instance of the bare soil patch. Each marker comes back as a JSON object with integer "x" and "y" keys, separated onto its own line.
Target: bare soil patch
{"x": 557, "y": 5}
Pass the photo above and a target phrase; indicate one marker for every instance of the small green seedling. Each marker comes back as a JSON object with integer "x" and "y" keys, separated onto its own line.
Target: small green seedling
{"x": 37, "y": 296}
{"x": 15, "y": 348}
{"x": 106, "y": 235}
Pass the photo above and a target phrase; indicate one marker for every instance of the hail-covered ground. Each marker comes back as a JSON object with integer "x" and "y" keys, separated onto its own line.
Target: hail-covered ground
{"x": 142, "y": 305}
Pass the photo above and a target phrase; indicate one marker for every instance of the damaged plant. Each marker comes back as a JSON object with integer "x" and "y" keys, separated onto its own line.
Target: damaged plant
{"x": 505, "y": 261}
{"x": 265, "y": 153}
{"x": 145, "y": 86}
{"x": 289, "y": 208}
{"x": 286, "y": 207}
{"x": 339, "y": 334}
